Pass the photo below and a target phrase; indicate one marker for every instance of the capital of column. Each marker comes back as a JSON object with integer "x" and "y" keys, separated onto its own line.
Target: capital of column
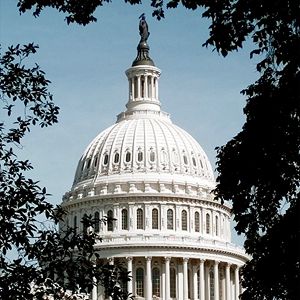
{"x": 148, "y": 258}
{"x": 110, "y": 260}
{"x": 228, "y": 265}
{"x": 129, "y": 258}
{"x": 217, "y": 262}
{"x": 167, "y": 259}
{"x": 185, "y": 260}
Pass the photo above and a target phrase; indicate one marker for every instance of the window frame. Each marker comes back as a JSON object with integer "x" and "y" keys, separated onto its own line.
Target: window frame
{"x": 139, "y": 219}
{"x": 155, "y": 218}
{"x": 207, "y": 223}
{"x": 170, "y": 219}
{"x": 139, "y": 282}
{"x": 197, "y": 221}
{"x": 110, "y": 224}
{"x": 156, "y": 282}
{"x": 124, "y": 219}
{"x": 184, "y": 220}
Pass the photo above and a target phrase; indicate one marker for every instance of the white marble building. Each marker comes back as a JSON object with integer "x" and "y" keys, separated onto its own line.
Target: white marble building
{"x": 156, "y": 180}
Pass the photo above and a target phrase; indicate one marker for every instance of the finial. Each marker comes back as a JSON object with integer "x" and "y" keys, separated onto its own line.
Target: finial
{"x": 143, "y": 48}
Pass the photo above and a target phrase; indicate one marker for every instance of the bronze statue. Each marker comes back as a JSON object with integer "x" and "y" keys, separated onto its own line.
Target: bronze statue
{"x": 142, "y": 57}
{"x": 143, "y": 27}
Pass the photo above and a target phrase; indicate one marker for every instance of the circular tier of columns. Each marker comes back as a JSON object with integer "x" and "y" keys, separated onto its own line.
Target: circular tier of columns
{"x": 143, "y": 86}
{"x": 187, "y": 289}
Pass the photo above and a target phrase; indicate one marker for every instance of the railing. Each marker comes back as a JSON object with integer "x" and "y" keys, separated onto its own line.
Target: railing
{"x": 169, "y": 240}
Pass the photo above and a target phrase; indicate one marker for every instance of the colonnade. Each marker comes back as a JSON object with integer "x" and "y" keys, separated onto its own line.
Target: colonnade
{"x": 143, "y": 86}
{"x": 195, "y": 279}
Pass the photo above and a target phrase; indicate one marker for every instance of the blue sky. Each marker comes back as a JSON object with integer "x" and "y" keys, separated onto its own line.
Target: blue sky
{"x": 86, "y": 65}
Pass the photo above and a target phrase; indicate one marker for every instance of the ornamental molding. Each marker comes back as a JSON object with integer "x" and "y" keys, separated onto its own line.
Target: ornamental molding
{"x": 161, "y": 199}
{"x": 223, "y": 256}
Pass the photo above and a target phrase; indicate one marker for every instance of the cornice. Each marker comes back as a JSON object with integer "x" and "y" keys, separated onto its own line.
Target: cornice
{"x": 161, "y": 198}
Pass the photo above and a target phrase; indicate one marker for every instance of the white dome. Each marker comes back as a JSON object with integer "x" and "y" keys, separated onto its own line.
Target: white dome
{"x": 151, "y": 147}
{"x": 143, "y": 151}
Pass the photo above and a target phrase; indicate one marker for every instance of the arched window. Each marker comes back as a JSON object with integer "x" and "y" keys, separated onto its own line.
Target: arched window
{"x": 139, "y": 219}
{"x": 154, "y": 218}
{"x": 88, "y": 163}
{"x": 116, "y": 158}
{"x": 139, "y": 282}
{"x": 175, "y": 157}
{"x": 197, "y": 221}
{"x": 207, "y": 223}
{"x": 124, "y": 219}
{"x": 201, "y": 162}
{"x": 170, "y": 219}
{"x": 156, "y": 282}
{"x": 185, "y": 159}
{"x": 110, "y": 225}
{"x": 217, "y": 226}
{"x": 163, "y": 156}
{"x": 172, "y": 283}
{"x": 95, "y": 161}
{"x": 140, "y": 156}
{"x": 194, "y": 161}
{"x": 127, "y": 157}
{"x": 97, "y": 221}
{"x": 152, "y": 156}
{"x": 184, "y": 220}
{"x": 105, "y": 160}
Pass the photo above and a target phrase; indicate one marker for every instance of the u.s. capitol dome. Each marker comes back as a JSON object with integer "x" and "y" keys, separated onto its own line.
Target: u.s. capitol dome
{"x": 156, "y": 181}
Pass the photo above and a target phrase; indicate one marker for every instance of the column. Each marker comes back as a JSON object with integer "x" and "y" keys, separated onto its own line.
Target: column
{"x": 227, "y": 280}
{"x": 151, "y": 86}
{"x": 111, "y": 262}
{"x": 195, "y": 282}
{"x": 148, "y": 278}
{"x": 216, "y": 280}
{"x": 163, "y": 281}
{"x": 185, "y": 279}
{"x": 167, "y": 266}
{"x": 202, "y": 291}
{"x": 132, "y": 88}
{"x": 138, "y": 87}
{"x": 223, "y": 285}
{"x": 156, "y": 89}
{"x": 179, "y": 287}
{"x": 207, "y": 283}
{"x": 237, "y": 283}
{"x": 146, "y": 91}
{"x": 129, "y": 269}
{"x": 94, "y": 291}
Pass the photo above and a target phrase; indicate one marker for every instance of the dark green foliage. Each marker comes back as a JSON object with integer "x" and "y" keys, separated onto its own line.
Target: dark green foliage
{"x": 34, "y": 258}
{"x": 259, "y": 168}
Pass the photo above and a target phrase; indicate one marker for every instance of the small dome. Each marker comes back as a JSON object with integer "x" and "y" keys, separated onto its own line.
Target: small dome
{"x": 144, "y": 147}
